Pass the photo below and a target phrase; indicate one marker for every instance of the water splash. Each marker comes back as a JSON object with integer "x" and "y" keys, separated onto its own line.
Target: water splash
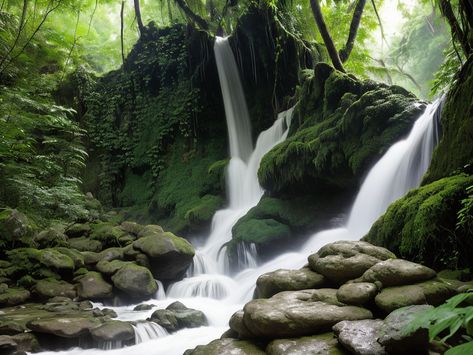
{"x": 146, "y": 331}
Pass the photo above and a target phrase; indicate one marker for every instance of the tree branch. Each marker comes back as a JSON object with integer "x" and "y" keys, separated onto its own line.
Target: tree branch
{"x": 457, "y": 32}
{"x": 21, "y": 26}
{"x": 121, "y": 31}
{"x": 344, "y": 53}
{"x": 141, "y": 27}
{"x": 191, "y": 15}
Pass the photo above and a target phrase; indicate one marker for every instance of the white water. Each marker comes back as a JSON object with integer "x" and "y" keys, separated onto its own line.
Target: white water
{"x": 207, "y": 286}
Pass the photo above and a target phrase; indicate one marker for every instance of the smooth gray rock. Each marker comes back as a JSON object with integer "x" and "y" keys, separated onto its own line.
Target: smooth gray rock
{"x": 346, "y": 260}
{"x": 360, "y": 336}
{"x": 236, "y": 324}
{"x": 357, "y": 293}
{"x": 92, "y": 286}
{"x": 398, "y": 272}
{"x": 113, "y": 330}
{"x": 322, "y": 344}
{"x": 66, "y": 327}
{"x": 298, "y": 313}
{"x": 136, "y": 281}
{"x": 226, "y": 346}
{"x": 273, "y": 282}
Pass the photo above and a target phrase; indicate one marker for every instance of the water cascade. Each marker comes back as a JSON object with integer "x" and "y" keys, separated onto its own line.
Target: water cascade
{"x": 208, "y": 286}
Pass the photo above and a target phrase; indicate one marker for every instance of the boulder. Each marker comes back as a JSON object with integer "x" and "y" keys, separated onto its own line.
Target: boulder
{"x": 56, "y": 260}
{"x": 135, "y": 281}
{"x": 85, "y": 244}
{"x": 78, "y": 230}
{"x": 432, "y": 292}
{"x": 26, "y": 342}
{"x": 360, "y": 336}
{"x": 357, "y": 293}
{"x": 150, "y": 229}
{"x": 346, "y": 260}
{"x": 13, "y": 296}
{"x": 111, "y": 254}
{"x": 166, "y": 319}
{"x": 398, "y": 272}
{"x": 66, "y": 327}
{"x": 48, "y": 288}
{"x": 143, "y": 307}
{"x": 170, "y": 256}
{"x": 322, "y": 344}
{"x": 50, "y": 237}
{"x": 132, "y": 227}
{"x": 107, "y": 234}
{"x": 187, "y": 317}
{"x": 113, "y": 330}
{"x": 92, "y": 286}
{"x": 14, "y": 227}
{"x": 298, "y": 313}
{"x": 271, "y": 283}
{"x": 237, "y": 325}
{"x": 110, "y": 267}
{"x": 7, "y": 343}
{"x": 393, "y": 333}
{"x": 226, "y": 346}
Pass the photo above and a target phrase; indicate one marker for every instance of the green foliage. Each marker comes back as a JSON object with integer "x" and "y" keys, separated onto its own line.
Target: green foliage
{"x": 453, "y": 317}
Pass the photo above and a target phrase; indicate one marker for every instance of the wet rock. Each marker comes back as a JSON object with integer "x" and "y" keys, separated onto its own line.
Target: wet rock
{"x": 226, "y": 346}
{"x": 144, "y": 307}
{"x": 360, "y": 336}
{"x": 7, "y": 342}
{"x": 55, "y": 260}
{"x": 114, "y": 330}
{"x": 271, "y": 283}
{"x": 323, "y": 344}
{"x": 74, "y": 254}
{"x": 357, "y": 293}
{"x": 187, "y": 317}
{"x": 110, "y": 267}
{"x": 67, "y": 327}
{"x": 48, "y": 288}
{"x": 132, "y": 227}
{"x": 26, "y": 342}
{"x": 298, "y": 313}
{"x": 170, "y": 256}
{"x": 237, "y": 325}
{"x": 85, "y": 244}
{"x": 166, "y": 319}
{"x": 107, "y": 312}
{"x": 432, "y": 292}
{"x": 92, "y": 286}
{"x": 111, "y": 254}
{"x": 78, "y": 230}
{"x": 14, "y": 296}
{"x": 393, "y": 332}
{"x": 398, "y": 272}
{"x": 150, "y": 229}
{"x": 136, "y": 281}
{"x": 346, "y": 260}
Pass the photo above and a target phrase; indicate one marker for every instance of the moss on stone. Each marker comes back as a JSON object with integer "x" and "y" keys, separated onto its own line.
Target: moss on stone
{"x": 422, "y": 225}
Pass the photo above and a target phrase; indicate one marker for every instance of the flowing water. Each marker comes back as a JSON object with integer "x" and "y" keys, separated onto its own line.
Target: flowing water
{"x": 208, "y": 285}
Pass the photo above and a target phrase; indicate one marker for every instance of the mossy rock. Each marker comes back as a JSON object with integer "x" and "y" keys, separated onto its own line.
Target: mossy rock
{"x": 78, "y": 230}
{"x": 51, "y": 237}
{"x": 74, "y": 254}
{"x": 204, "y": 210}
{"x": 135, "y": 281}
{"x": 56, "y": 260}
{"x": 110, "y": 267}
{"x": 92, "y": 286}
{"x": 85, "y": 244}
{"x": 107, "y": 234}
{"x": 14, "y": 296}
{"x": 227, "y": 346}
{"x": 49, "y": 288}
{"x": 15, "y": 228}
{"x": 419, "y": 226}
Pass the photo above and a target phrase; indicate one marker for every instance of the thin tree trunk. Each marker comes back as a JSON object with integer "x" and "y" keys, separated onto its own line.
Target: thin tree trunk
{"x": 72, "y": 47}
{"x": 191, "y": 15}
{"x": 381, "y": 28}
{"x": 354, "y": 25}
{"x": 457, "y": 32}
{"x": 319, "y": 20}
{"x": 141, "y": 27}
{"x": 21, "y": 26}
{"x": 92, "y": 16}
{"x": 121, "y": 30}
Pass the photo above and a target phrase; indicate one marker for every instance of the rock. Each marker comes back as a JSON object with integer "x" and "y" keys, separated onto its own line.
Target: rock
{"x": 136, "y": 281}
{"x": 357, "y": 293}
{"x": 107, "y": 234}
{"x": 50, "y": 237}
{"x": 226, "y": 346}
{"x": 113, "y": 330}
{"x": 144, "y": 307}
{"x": 13, "y": 296}
{"x": 170, "y": 256}
{"x": 74, "y": 254}
{"x": 7, "y": 342}
{"x": 85, "y": 244}
{"x": 48, "y": 288}
{"x": 432, "y": 292}
{"x": 132, "y": 227}
{"x": 322, "y": 344}
{"x": 150, "y": 229}
{"x": 166, "y": 319}
{"x": 346, "y": 260}
{"x": 360, "y": 336}
{"x": 398, "y": 272}
{"x": 66, "y": 327}
{"x": 54, "y": 259}
{"x": 109, "y": 312}
{"x": 26, "y": 342}
{"x": 111, "y": 254}
{"x": 110, "y": 267}
{"x": 271, "y": 283}
{"x": 90, "y": 258}
{"x": 14, "y": 227}
{"x": 237, "y": 325}
{"x": 187, "y": 317}
{"x": 78, "y": 230}
{"x": 393, "y": 333}
{"x": 298, "y": 313}
{"x": 92, "y": 286}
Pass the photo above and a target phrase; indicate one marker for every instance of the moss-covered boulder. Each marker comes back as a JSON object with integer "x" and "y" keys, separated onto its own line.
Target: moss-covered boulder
{"x": 227, "y": 346}
{"x": 316, "y": 344}
{"x": 113, "y": 330}
{"x": 78, "y": 230}
{"x": 56, "y": 260}
{"x": 14, "y": 296}
{"x": 85, "y": 244}
{"x": 135, "y": 281}
{"x": 92, "y": 286}
{"x": 48, "y": 288}
{"x": 107, "y": 234}
{"x": 66, "y": 327}
{"x": 421, "y": 226}
{"x": 170, "y": 256}
{"x": 15, "y": 228}
{"x": 51, "y": 237}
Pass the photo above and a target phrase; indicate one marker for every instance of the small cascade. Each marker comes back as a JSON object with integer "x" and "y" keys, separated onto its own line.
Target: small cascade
{"x": 203, "y": 285}
{"x": 160, "y": 294}
{"x": 246, "y": 254}
{"x": 146, "y": 331}
{"x": 110, "y": 344}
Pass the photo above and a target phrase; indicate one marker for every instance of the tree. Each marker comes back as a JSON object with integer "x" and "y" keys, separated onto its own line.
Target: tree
{"x": 344, "y": 53}
{"x": 138, "y": 16}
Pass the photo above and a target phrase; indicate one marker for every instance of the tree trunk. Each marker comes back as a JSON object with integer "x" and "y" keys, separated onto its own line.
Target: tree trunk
{"x": 138, "y": 16}
{"x": 191, "y": 15}
{"x": 457, "y": 32}
{"x": 121, "y": 30}
{"x": 21, "y": 26}
{"x": 319, "y": 20}
{"x": 355, "y": 24}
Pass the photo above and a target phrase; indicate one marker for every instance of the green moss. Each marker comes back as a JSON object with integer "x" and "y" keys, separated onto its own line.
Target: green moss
{"x": 422, "y": 225}
{"x": 204, "y": 211}
{"x": 260, "y": 231}
{"x": 107, "y": 234}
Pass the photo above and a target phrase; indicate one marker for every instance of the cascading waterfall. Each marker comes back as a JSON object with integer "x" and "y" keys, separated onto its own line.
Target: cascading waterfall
{"x": 207, "y": 286}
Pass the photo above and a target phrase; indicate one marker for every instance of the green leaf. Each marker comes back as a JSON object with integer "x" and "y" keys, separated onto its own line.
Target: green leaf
{"x": 464, "y": 349}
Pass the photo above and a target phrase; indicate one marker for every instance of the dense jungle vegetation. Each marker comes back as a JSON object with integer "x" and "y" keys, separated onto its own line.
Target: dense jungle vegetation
{"x": 113, "y": 131}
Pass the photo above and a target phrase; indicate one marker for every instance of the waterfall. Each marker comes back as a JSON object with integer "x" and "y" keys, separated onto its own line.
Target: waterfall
{"x": 146, "y": 331}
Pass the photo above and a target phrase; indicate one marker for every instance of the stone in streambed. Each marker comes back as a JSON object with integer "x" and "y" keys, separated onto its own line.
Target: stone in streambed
{"x": 357, "y": 293}
{"x": 322, "y": 344}
{"x": 237, "y": 325}
{"x": 166, "y": 319}
{"x": 187, "y": 317}
{"x": 226, "y": 346}
{"x": 114, "y": 330}
{"x": 298, "y": 313}
{"x": 92, "y": 286}
{"x": 13, "y": 296}
{"x": 85, "y": 244}
{"x": 48, "y": 288}
{"x": 360, "y": 336}
{"x": 143, "y": 307}
{"x": 273, "y": 282}
{"x": 136, "y": 281}
{"x": 346, "y": 260}
{"x": 398, "y": 272}
{"x": 66, "y": 327}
